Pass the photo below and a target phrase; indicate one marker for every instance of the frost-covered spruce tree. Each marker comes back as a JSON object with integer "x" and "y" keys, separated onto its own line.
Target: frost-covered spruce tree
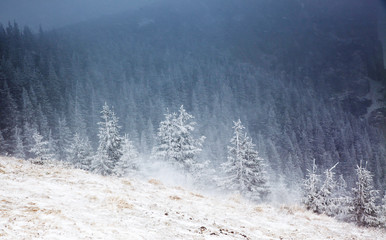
{"x": 80, "y": 152}
{"x": 128, "y": 161}
{"x": 40, "y": 149}
{"x": 52, "y": 147}
{"x": 64, "y": 139}
{"x": 382, "y": 212}
{"x": 110, "y": 143}
{"x": 2, "y": 144}
{"x": 176, "y": 143}
{"x": 340, "y": 205}
{"x": 19, "y": 148}
{"x": 364, "y": 199}
{"x": 324, "y": 198}
{"x": 244, "y": 169}
{"x": 311, "y": 190}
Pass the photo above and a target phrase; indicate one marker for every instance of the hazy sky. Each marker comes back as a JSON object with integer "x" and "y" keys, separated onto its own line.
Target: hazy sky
{"x": 56, "y": 13}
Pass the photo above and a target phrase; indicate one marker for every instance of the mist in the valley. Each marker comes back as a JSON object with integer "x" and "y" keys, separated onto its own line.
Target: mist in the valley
{"x": 306, "y": 78}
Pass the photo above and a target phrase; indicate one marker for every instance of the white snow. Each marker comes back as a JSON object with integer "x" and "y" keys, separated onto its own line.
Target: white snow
{"x": 51, "y": 202}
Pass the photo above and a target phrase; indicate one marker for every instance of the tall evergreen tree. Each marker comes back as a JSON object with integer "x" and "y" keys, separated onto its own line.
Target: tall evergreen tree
{"x": 52, "y": 146}
{"x": 2, "y": 144}
{"x": 128, "y": 161}
{"x": 80, "y": 152}
{"x": 311, "y": 190}
{"x": 40, "y": 149}
{"x": 382, "y": 211}
{"x": 110, "y": 143}
{"x": 365, "y": 197}
{"x": 19, "y": 148}
{"x": 9, "y": 116}
{"x": 244, "y": 169}
{"x": 324, "y": 198}
{"x": 176, "y": 143}
{"x": 28, "y": 140}
{"x": 64, "y": 139}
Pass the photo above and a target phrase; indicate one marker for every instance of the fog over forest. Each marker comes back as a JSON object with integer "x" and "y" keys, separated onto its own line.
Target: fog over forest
{"x": 300, "y": 82}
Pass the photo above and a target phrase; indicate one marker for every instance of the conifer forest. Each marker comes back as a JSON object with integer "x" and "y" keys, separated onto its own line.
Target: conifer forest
{"x": 247, "y": 96}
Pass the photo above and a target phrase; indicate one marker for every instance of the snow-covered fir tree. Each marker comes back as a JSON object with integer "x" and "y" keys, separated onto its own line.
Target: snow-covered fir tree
{"x": 128, "y": 161}
{"x": 28, "y": 140}
{"x": 382, "y": 212}
{"x": 80, "y": 152}
{"x": 176, "y": 143}
{"x": 364, "y": 199}
{"x": 340, "y": 204}
{"x": 40, "y": 149}
{"x": 341, "y": 187}
{"x": 311, "y": 189}
{"x": 52, "y": 147}
{"x": 244, "y": 169}
{"x": 110, "y": 143}
{"x": 64, "y": 139}
{"x": 324, "y": 198}
{"x": 19, "y": 148}
{"x": 2, "y": 144}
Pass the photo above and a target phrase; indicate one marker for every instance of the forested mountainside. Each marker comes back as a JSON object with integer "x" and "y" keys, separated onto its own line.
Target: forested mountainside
{"x": 305, "y": 77}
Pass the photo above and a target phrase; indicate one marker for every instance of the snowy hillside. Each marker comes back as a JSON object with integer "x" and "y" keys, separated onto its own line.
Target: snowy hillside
{"x": 50, "y": 202}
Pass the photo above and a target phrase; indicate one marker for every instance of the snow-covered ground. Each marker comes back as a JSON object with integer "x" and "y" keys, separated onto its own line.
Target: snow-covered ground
{"x": 48, "y": 202}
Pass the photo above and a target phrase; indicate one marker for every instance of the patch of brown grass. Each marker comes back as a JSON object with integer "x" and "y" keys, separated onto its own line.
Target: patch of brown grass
{"x": 258, "y": 209}
{"x": 175, "y": 198}
{"x": 197, "y": 195}
{"x": 155, "y": 182}
{"x": 126, "y": 182}
{"x": 120, "y": 203}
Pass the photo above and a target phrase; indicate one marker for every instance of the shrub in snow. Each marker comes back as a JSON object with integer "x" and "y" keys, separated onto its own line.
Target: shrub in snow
{"x": 176, "y": 143}
{"x": 364, "y": 198}
{"x": 40, "y": 149}
{"x": 110, "y": 143}
{"x": 244, "y": 169}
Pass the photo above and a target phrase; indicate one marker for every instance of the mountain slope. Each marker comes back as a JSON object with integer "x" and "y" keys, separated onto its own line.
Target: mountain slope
{"x": 51, "y": 202}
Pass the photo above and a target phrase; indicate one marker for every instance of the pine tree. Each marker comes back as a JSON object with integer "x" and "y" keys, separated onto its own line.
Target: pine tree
{"x": 52, "y": 146}
{"x": 40, "y": 149}
{"x": 64, "y": 139}
{"x": 110, "y": 143}
{"x": 244, "y": 169}
{"x": 29, "y": 142}
{"x": 365, "y": 197}
{"x": 176, "y": 143}
{"x": 311, "y": 190}
{"x": 324, "y": 198}
{"x": 340, "y": 205}
{"x": 80, "y": 152}
{"x": 382, "y": 212}
{"x": 19, "y": 148}
{"x": 2, "y": 144}
{"x": 9, "y": 116}
{"x": 128, "y": 161}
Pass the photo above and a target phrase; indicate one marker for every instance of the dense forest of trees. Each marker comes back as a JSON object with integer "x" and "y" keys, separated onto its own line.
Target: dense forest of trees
{"x": 56, "y": 88}
{"x": 109, "y": 94}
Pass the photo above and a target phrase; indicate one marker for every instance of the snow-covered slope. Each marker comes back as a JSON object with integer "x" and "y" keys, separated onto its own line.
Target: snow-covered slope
{"x": 50, "y": 202}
